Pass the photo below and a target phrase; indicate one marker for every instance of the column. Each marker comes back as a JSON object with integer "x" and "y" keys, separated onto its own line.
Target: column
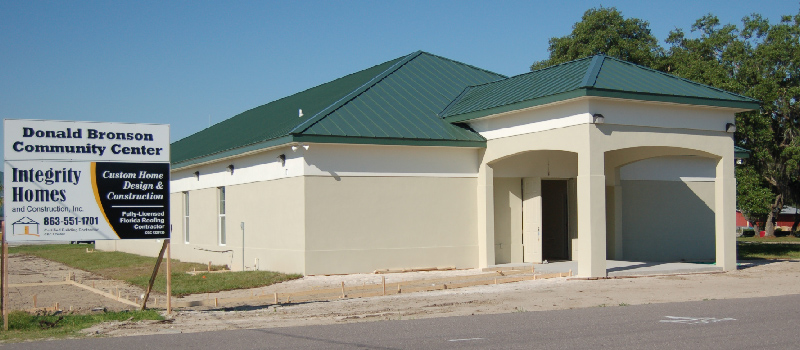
{"x": 591, "y": 214}
{"x": 617, "y": 215}
{"x": 532, "y": 219}
{"x": 725, "y": 212}
{"x": 485, "y": 216}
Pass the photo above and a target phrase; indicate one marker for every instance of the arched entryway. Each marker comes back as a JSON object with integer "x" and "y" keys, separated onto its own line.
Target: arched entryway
{"x": 535, "y": 206}
{"x": 661, "y": 204}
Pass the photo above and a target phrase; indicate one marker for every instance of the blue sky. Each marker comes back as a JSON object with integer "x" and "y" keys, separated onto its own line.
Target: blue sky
{"x": 184, "y": 63}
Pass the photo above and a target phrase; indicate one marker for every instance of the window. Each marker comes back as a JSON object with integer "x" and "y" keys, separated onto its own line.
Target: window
{"x": 186, "y": 217}
{"x": 221, "y": 229}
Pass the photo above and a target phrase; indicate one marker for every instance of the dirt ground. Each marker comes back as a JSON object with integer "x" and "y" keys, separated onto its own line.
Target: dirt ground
{"x": 766, "y": 278}
{"x": 24, "y": 269}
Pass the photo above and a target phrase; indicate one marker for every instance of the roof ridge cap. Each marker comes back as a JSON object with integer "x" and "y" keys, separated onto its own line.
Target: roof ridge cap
{"x": 560, "y": 64}
{"x": 670, "y": 75}
{"x": 590, "y": 77}
{"x": 464, "y": 64}
{"x": 285, "y": 97}
{"x": 340, "y": 102}
{"x": 526, "y": 73}
{"x": 454, "y": 101}
{"x": 538, "y": 70}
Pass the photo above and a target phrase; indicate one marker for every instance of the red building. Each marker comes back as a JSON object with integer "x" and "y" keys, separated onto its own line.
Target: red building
{"x": 785, "y": 219}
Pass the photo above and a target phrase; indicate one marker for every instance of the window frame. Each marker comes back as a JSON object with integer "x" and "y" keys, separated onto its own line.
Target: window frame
{"x": 222, "y": 238}
{"x": 186, "y": 217}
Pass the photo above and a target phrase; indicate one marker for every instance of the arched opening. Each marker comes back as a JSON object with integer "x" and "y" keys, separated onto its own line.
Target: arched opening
{"x": 661, "y": 205}
{"x": 535, "y": 206}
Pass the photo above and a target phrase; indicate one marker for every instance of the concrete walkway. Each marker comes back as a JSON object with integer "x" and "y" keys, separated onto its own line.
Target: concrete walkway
{"x": 624, "y": 268}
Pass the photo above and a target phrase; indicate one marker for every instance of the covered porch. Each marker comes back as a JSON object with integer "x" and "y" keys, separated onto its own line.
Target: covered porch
{"x": 555, "y": 182}
{"x": 558, "y": 195}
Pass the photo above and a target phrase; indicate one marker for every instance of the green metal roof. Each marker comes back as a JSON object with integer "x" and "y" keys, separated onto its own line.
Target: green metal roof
{"x": 396, "y": 102}
{"x": 739, "y": 152}
{"x": 592, "y": 76}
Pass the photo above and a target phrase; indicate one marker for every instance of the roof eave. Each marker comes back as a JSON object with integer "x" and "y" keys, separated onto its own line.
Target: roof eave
{"x": 235, "y": 152}
{"x": 740, "y": 106}
{"x": 389, "y": 141}
{"x": 294, "y": 139}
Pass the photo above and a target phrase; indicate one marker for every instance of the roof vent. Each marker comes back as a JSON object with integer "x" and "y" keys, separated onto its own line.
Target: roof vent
{"x": 299, "y": 113}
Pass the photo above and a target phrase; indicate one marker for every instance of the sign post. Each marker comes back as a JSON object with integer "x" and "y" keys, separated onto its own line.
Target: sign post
{"x": 4, "y": 272}
{"x": 85, "y": 181}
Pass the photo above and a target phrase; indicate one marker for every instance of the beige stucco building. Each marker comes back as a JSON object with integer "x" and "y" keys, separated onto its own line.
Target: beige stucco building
{"x": 427, "y": 162}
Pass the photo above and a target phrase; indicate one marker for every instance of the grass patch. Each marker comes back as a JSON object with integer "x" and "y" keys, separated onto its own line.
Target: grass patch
{"x": 136, "y": 269}
{"x": 751, "y": 251}
{"x": 774, "y": 239}
{"x": 23, "y": 326}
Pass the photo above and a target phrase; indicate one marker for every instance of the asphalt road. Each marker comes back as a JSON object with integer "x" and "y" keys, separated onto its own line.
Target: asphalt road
{"x": 756, "y": 323}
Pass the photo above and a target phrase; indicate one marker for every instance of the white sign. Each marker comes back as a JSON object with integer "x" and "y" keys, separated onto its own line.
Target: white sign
{"x": 82, "y": 181}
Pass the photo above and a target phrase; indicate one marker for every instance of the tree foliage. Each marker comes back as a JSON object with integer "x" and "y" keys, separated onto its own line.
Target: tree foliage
{"x": 605, "y": 31}
{"x": 759, "y": 59}
{"x": 762, "y": 61}
{"x": 753, "y": 197}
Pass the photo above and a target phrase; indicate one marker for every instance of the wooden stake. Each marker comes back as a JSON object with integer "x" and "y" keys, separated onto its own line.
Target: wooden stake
{"x": 342, "y": 289}
{"x": 169, "y": 279}
{"x": 216, "y": 302}
{"x": 56, "y": 307}
{"x": 276, "y": 298}
{"x": 383, "y": 279}
{"x": 398, "y": 289}
{"x": 153, "y": 276}
{"x": 209, "y": 266}
{"x": 4, "y": 283}
{"x": 570, "y": 273}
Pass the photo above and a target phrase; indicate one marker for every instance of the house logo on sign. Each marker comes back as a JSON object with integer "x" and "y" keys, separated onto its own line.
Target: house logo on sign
{"x": 26, "y": 227}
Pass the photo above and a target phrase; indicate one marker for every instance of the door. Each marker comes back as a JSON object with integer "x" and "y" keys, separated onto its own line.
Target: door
{"x": 555, "y": 227}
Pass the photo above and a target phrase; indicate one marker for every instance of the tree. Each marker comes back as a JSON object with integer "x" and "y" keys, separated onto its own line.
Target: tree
{"x": 753, "y": 197}
{"x": 605, "y": 31}
{"x": 760, "y": 61}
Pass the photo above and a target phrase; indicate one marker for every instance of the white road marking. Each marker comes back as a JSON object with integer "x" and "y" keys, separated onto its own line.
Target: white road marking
{"x": 695, "y": 320}
{"x": 467, "y": 339}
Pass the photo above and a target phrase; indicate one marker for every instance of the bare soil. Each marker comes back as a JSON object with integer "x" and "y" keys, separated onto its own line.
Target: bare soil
{"x": 758, "y": 279}
{"x": 24, "y": 269}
